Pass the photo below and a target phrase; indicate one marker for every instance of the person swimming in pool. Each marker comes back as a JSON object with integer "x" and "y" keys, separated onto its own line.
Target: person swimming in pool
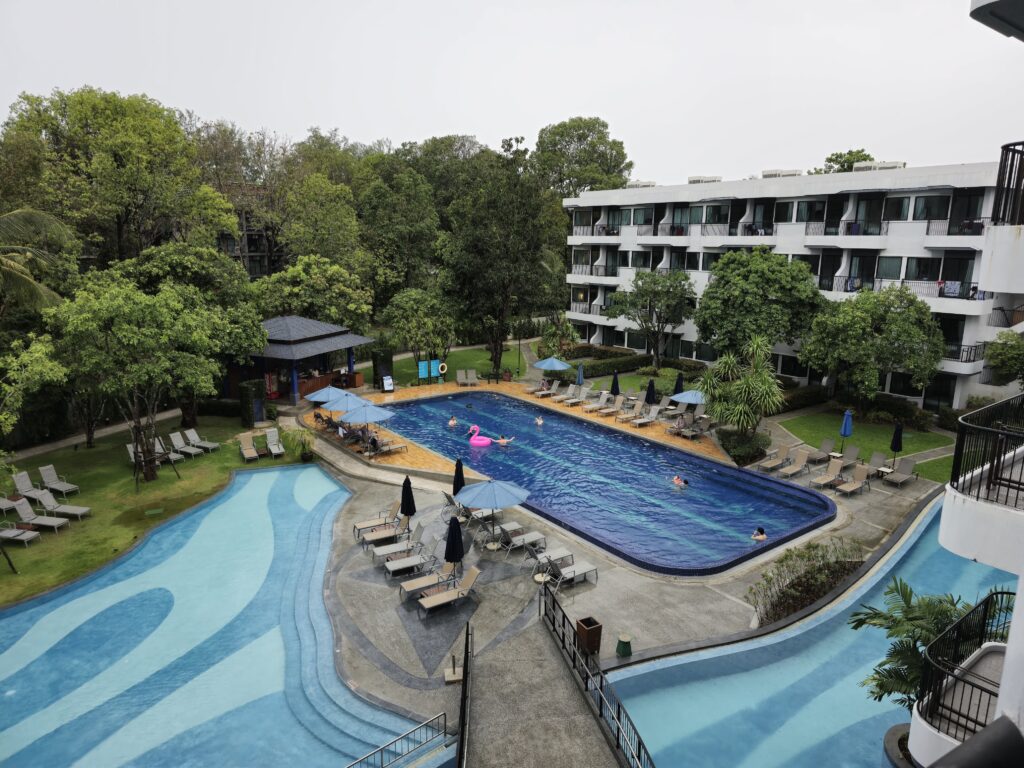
{"x": 502, "y": 440}
{"x": 453, "y": 422}
{"x": 679, "y": 482}
{"x": 759, "y": 534}
{"x": 539, "y": 421}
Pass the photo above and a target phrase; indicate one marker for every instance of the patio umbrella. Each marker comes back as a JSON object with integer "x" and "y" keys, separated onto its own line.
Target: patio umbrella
{"x": 408, "y": 502}
{"x": 345, "y": 401}
{"x": 690, "y": 397}
{"x": 652, "y": 396}
{"x": 846, "y": 428}
{"x": 579, "y": 375}
{"x": 615, "y": 384}
{"x": 368, "y": 413}
{"x": 552, "y": 364}
{"x": 897, "y": 441}
{"x": 459, "y": 480}
{"x": 492, "y": 494}
{"x": 325, "y": 394}
{"x": 680, "y": 384}
{"x": 454, "y": 550}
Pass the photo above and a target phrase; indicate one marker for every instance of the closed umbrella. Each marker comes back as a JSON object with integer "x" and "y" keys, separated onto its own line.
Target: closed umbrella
{"x": 680, "y": 384}
{"x": 615, "y": 384}
{"x": 690, "y": 397}
{"x": 454, "y": 550}
{"x": 897, "y": 441}
{"x": 652, "y": 396}
{"x": 459, "y": 480}
{"x": 552, "y": 364}
{"x": 846, "y": 428}
{"x": 579, "y": 375}
{"x": 408, "y": 502}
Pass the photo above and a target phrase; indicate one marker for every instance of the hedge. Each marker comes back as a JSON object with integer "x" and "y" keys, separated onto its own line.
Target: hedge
{"x": 595, "y": 368}
{"x": 802, "y": 397}
{"x": 684, "y": 364}
{"x": 595, "y": 351}
{"x": 229, "y": 408}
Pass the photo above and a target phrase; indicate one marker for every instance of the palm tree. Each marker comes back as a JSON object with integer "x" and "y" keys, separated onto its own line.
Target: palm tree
{"x": 740, "y": 391}
{"x": 20, "y": 231}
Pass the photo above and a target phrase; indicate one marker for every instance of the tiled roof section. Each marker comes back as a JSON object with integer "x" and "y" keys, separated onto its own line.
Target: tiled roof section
{"x": 304, "y": 349}
{"x": 296, "y": 338}
{"x": 292, "y": 328}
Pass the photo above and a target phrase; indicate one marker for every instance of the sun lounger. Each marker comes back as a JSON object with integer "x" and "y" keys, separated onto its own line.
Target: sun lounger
{"x": 569, "y": 394}
{"x": 439, "y": 578}
{"x": 247, "y": 448}
{"x": 274, "y": 443}
{"x": 550, "y": 391}
{"x": 401, "y": 548}
{"x": 798, "y": 467}
{"x": 562, "y": 574}
{"x": 508, "y": 543}
{"x": 6, "y": 505}
{"x": 878, "y": 460}
{"x": 23, "y": 485}
{"x": 544, "y": 557}
{"x": 581, "y": 396}
{"x": 832, "y": 475}
{"x": 194, "y": 439}
{"x": 532, "y": 389}
{"x": 415, "y": 562}
{"x": 850, "y": 456}
{"x": 62, "y": 510}
{"x": 497, "y": 532}
{"x": 778, "y": 461}
{"x": 904, "y": 473}
{"x": 450, "y": 596}
{"x": 614, "y": 408}
{"x": 483, "y": 515}
{"x": 56, "y": 483}
{"x": 179, "y": 445}
{"x": 386, "y": 532}
{"x": 26, "y": 515}
{"x": 390, "y": 516}
{"x": 460, "y": 378}
{"x": 9, "y": 532}
{"x": 858, "y": 482}
{"x": 471, "y": 378}
{"x": 131, "y": 455}
{"x": 161, "y": 450}
{"x": 598, "y": 405}
{"x": 451, "y": 507}
{"x": 638, "y": 406}
{"x": 820, "y": 455}
{"x": 650, "y": 418}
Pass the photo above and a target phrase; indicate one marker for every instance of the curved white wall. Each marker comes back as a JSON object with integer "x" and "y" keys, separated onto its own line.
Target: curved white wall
{"x": 987, "y": 533}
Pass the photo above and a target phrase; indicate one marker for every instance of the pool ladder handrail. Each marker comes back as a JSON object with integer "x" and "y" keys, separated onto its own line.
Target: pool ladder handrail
{"x": 405, "y": 744}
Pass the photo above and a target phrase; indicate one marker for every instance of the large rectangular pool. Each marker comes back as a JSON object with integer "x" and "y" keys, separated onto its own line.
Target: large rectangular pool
{"x": 615, "y": 489}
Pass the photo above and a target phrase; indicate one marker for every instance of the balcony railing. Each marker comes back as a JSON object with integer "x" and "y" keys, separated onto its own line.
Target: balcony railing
{"x": 1004, "y": 317}
{"x": 846, "y": 283}
{"x": 594, "y": 270}
{"x": 672, "y": 230}
{"x": 583, "y": 307}
{"x": 966, "y": 227}
{"x": 828, "y": 228}
{"x": 937, "y": 289}
{"x": 987, "y": 461}
{"x": 755, "y": 229}
{"x": 964, "y": 353}
{"x": 954, "y": 698}
{"x": 865, "y": 228}
{"x": 721, "y": 228}
{"x": 582, "y": 230}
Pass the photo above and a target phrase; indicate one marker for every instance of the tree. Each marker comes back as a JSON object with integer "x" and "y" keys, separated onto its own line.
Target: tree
{"x": 21, "y": 233}
{"x": 742, "y": 390}
{"x": 578, "y": 154}
{"x": 319, "y": 218}
{"x": 759, "y": 293}
{"x": 655, "y": 305}
{"x": 558, "y": 337}
{"x": 446, "y": 163}
{"x": 841, "y": 162}
{"x": 1006, "y": 355}
{"x": 912, "y": 622}
{"x": 23, "y": 370}
{"x": 875, "y": 333}
{"x": 422, "y": 323}
{"x": 506, "y": 224}
{"x": 315, "y": 287}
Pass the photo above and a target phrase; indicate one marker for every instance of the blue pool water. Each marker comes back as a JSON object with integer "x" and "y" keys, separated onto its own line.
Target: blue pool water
{"x": 616, "y": 489}
{"x": 792, "y": 700}
{"x": 208, "y": 645}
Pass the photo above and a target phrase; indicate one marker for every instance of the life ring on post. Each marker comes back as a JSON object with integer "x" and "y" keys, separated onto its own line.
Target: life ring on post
{"x": 442, "y": 368}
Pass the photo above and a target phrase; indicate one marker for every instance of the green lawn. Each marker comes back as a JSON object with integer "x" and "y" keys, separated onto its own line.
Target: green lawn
{"x": 627, "y": 381}
{"x": 119, "y": 513}
{"x": 480, "y": 359}
{"x": 937, "y": 470}
{"x": 815, "y": 427}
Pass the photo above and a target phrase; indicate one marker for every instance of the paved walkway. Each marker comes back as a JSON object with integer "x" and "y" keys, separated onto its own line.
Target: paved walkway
{"x": 79, "y": 439}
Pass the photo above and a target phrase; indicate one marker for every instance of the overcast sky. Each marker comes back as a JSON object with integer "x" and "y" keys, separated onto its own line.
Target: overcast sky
{"x": 718, "y": 87}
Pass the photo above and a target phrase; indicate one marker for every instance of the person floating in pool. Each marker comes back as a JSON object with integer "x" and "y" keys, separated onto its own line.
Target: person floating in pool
{"x": 759, "y": 534}
{"x": 679, "y": 482}
{"x": 502, "y": 440}
{"x": 539, "y": 421}
{"x": 453, "y": 422}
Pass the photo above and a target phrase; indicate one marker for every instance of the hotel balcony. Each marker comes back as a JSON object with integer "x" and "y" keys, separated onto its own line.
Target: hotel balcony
{"x": 949, "y": 296}
{"x": 963, "y": 359}
{"x": 593, "y": 233}
{"x": 592, "y": 274}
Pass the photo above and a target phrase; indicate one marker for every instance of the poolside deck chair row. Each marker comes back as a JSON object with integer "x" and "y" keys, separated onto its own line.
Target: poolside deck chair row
{"x": 466, "y": 378}
{"x": 59, "y": 515}
{"x": 247, "y": 445}
{"x": 560, "y": 565}
{"x": 50, "y": 481}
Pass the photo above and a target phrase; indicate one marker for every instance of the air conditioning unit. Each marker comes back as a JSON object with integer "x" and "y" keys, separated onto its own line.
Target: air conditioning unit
{"x": 866, "y": 165}
{"x": 778, "y": 173}
{"x": 703, "y": 179}
{"x": 890, "y": 164}
{"x": 638, "y": 184}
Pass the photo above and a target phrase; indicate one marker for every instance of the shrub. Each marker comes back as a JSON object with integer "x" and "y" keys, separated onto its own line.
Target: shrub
{"x": 974, "y": 402}
{"x": 691, "y": 368}
{"x": 801, "y": 576}
{"x": 595, "y": 368}
{"x": 647, "y": 370}
{"x": 948, "y": 418}
{"x": 594, "y": 351}
{"x": 802, "y": 397}
{"x": 228, "y": 408}
{"x": 895, "y": 408}
{"x": 744, "y": 448}
{"x": 788, "y": 382}
{"x": 271, "y": 411}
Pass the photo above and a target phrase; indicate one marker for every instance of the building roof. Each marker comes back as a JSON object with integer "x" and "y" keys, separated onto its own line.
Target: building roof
{"x": 296, "y": 338}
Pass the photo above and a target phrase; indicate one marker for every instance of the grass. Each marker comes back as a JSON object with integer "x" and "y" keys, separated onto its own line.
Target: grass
{"x": 815, "y": 427}
{"x": 666, "y": 379}
{"x": 120, "y": 515}
{"x": 480, "y": 359}
{"x": 936, "y": 470}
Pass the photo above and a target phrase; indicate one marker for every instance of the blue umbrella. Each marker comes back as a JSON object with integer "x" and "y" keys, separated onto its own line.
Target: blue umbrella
{"x": 346, "y": 401}
{"x": 679, "y": 384}
{"x": 552, "y": 364}
{"x": 492, "y": 494}
{"x": 454, "y": 550}
{"x": 690, "y": 396}
{"x": 652, "y": 395}
{"x": 579, "y": 375}
{"x": 368, "y": 414}
{"x": 325, "y": 394}
{"x": 846, "y": 428}
{"x": 615, "y": 384}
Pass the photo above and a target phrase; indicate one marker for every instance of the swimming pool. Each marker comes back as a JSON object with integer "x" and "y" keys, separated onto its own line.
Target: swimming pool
{"x": 208, "y": 645}
{"x": 792, "y": 699}
{"x": 615, "y": 489}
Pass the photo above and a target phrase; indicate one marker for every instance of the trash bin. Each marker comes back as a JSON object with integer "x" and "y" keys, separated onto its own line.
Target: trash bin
{"x": 588, "y": 635}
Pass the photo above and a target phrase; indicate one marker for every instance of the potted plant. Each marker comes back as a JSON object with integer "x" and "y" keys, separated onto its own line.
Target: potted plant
{"x": 300, "y": 441}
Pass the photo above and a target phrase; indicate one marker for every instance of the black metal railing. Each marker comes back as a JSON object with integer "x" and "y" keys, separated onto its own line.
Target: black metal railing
{"x": 1005, "y": 317}
{"x": 756, "y": 229}
{"x": 396, "y": 749}
{"x": 937, "y": 289}
{"x": 462, "y": 752}
{"x": 720, "y": 228}
{"x": 846, "y": 283}
{"x": 987, "y": 460}
{"x": 1008, "y": 206}
{"x": 599, "y": 692}
{"x": 865, "y": 228}
{"x": 950, "y": 227}
{"x": 594, "y": 270}
{"x": 964, "y": 353}
{"x": 953, "y": 698}
{"x": 828, "y": 228}
{"x": 607, "y": 230}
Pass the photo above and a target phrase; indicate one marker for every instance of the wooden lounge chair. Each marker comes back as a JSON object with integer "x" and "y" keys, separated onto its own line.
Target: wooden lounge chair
{"x": 390, "y": 446}
{"x": 449, "y": 596}
{"x": 850, "y": 456}
{"x": 10, "y": 532}
{"x": 413, "y": 562}
{"x": 471, "y": 378}
{"x": 822, "y": 454}
{"x": 778, "y": 461}
{"x": 832, "y": 475}
{"x": 247, "y": 448}
{"x": 904, "y": 473}
{"x": 161, "y": 450}
{"x": 598, "y": 405}
{"x": 26, "y": 515}
{"x": 400, "y": 548}
{"x": 23, "y": 485}
{"x": 638, "y": 407}
{"x": 613, "y": 408}
{"x": 798, "y": 467}
{"x": 179, "y": 445}
{"x": 389, "y": 516}
{"x": 878, "y": 461}
{"x": 509, "y": 542}
{"x": 62, "y": 510}
{"x": 194, "y": 439}
{"x": 387, "y": 532}
{"x": 550, "y": 391}
{"x": 858, "y": 482}
{"x": 460, "y": 378}
{"x": 562, "y": 574}
{"x": 56, "y": 483}
{"x": 569, "y": 394}
{"x": 436, "y": 579}
{"x": 274, "y": 443}
{"x": 650, "y": 418}
{"x": 581, "y": 396}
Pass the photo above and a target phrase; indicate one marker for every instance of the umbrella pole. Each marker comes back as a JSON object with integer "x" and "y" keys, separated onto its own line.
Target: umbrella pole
{"x": 492, "y": 545}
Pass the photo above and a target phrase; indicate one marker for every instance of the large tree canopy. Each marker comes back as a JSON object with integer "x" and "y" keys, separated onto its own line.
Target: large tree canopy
{"x": 315, "y": 287}
{"x": 655, "y": 304}
{"x": 756, "y": 294}
{"x": 579, "y": 154}
{"x": 320, "y": 218}
{"x": 421, "y": 322}
{"x": 841, "y": 162}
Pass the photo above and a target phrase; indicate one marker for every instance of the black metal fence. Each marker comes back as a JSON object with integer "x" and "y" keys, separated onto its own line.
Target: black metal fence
{"x": 987, "y": 461}
{"x": 1006, "y": 317}
{"x": 950, "y": 227}
{"x": 964, "y": 353}
{"x": 865, "y": 228}
{"x": 953, "y": 698}
{"x": 462, "y": 754}
{"x": 408, "y": 742}
{"x": 1008, "y": 206}
{"x": 600, "y": 694}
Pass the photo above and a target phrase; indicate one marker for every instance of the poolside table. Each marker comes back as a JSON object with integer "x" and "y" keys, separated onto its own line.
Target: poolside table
{"x": 883, "y": 471}
{"x": 544, "y": 559}
{"x": 835, "y": 455}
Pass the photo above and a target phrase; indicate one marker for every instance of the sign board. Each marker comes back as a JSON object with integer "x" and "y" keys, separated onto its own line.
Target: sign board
{"x": 435, "y": 369}
{"x": 389, "y": 384}
{"x": 423, "y": 369}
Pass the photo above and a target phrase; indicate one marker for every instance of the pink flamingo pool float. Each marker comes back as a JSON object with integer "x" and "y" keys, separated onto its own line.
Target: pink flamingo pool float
{"x": 478, "y": 439}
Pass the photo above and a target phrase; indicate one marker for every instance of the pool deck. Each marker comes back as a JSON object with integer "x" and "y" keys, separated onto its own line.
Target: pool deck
{"x": 526, "y": 709}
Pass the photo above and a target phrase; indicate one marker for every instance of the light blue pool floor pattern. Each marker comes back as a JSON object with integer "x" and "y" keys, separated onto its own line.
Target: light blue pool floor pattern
{"x": 614, "y": 488}
{"x": 792, "y": 700}
{"x": 209, "y": 645}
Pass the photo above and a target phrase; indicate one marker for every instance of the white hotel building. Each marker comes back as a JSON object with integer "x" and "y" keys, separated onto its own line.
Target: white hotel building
{"x": 930, "y": 229}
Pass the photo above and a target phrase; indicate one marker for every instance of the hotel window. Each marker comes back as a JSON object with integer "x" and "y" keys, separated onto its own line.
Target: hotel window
{"x": 783, "y": 213}
{"x": 931, "y": 207}
{"x": 686, "y": 348}
{"x": 640, "y": 260}
{"x": 583, "y": 218}
{"x": 889, "y": 267}
{"x": 717, "y": 214}
{"x": 896, "y": 209}
{"x": 618, "y": 217}
{"x": 900, "y": 384}
{"x": 966, "y": 205}
{"x": 810, "y": 210}
{"x": 710, "y": 259}
{"x": 693, "y": 261}
{"x": 791, "y": 367}
{"x": 643, "y": 216}
{"x": 581, "y": 256}
{"x": 677, "y": 259}
{"x": 580, "y": 295}
{"x": 706, "y": 352}
{"x": 923, "y": 269}
{"x": 696, "y": 214}
{"x": 680, "y": 215}
{"x": 636, "y": 340}
{"x": 812, "y": 260}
